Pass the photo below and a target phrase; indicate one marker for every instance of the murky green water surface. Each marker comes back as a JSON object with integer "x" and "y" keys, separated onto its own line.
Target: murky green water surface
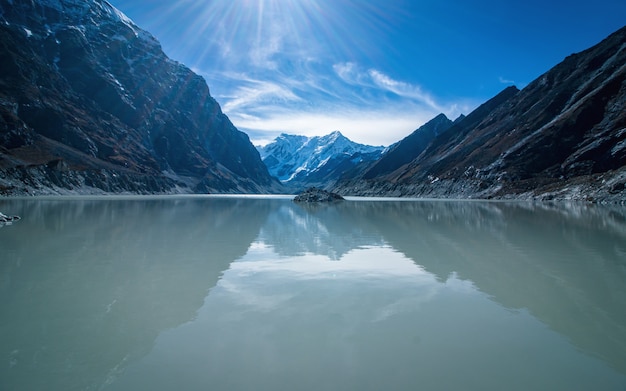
{"x": 228, "y": 293}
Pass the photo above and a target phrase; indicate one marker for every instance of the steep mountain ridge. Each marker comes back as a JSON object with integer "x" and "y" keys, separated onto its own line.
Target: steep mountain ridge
{"x": 563, "y": 136}
{"x": 408, "y": 148}
{"x": 300, "y": 161}
{"x": 90, "y": 103}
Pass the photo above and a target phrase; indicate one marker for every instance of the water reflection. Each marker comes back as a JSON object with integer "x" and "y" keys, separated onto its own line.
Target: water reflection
{"x": 564, "y": 263}
{"x": 228, "y": 293}
{"x": 328, "y": 230}
{"x": 88, "y": 285}
{"x": 396, "y": 296}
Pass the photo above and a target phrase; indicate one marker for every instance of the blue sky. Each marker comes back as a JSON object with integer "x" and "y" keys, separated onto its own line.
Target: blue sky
{"x": 375, "y": 70}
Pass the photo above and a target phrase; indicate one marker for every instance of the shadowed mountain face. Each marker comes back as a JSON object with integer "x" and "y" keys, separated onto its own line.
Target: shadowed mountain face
{"x": 409, "y": 148}
{"x": 563, "y": 136}
{"x": 89, "y": 101}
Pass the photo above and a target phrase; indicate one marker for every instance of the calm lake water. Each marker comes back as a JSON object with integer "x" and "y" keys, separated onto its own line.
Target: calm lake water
{"x": 248, "y": 293}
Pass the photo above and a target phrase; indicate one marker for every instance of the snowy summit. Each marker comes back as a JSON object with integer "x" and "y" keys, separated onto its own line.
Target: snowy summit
{"x": 302, "y": 161}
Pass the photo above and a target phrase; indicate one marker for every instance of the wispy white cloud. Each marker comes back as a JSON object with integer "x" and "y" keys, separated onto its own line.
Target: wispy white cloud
{"x": 257, "y": 92}
{"x": 403, "y": 89}
{"x": 367, "y": 106}
{"x": 381, "y": 127}
{"x": 352, "y": 74}
{"x": 505, "y": 81}
{"x": 266, "y": 48}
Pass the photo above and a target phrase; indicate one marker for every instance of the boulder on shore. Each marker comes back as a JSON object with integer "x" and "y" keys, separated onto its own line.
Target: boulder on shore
{"x": 317, "y": 195}
{"x": 8, "y": 219}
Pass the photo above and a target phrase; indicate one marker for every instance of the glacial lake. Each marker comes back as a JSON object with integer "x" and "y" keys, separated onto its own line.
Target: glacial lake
{"x": 259, "y": 293}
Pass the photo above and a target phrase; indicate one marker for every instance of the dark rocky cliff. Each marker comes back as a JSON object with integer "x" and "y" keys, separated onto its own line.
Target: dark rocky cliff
{"x": 409, "y": 148}
{"x": 563, "y": 137}
{"x": 90, "y": 103}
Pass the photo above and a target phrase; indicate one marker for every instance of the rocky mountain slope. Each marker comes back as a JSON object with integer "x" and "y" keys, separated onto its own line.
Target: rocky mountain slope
{"x": 408, "y": 148}
{"x": 300, "y": 162}
{"x": 563, "y": 136}
{"x": 90, "y": 103}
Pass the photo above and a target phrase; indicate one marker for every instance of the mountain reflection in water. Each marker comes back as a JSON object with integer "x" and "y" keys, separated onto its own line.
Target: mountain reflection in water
{"x": 233, "y": 293}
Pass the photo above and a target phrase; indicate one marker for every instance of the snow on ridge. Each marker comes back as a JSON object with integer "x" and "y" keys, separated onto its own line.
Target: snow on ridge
{"x": 117, "y": 14}
{"x": 291, "y": 157}
{"x": 121, "y": 17}
{"x": 92, "y": 12}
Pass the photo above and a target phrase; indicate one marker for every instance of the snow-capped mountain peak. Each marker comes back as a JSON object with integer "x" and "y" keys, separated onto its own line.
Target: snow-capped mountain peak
{"x": 302, "y": 161}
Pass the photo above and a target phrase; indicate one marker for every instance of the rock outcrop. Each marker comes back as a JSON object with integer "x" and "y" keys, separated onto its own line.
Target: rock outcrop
{"x": 317, "y": 195}
{"x": 4, "y": 219}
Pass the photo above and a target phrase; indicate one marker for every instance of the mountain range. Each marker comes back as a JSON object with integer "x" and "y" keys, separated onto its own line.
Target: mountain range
{"x": 561, "y": 137}
{"x": 300, "y": 161}
{"x": 90, "y": 103}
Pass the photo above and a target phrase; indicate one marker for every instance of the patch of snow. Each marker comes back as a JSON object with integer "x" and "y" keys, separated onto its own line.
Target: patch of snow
{"x": 28, "y": 32}
{"x": 619, "y": 147}
{"x": 114, "y": 80}
{"x": 433, "y": 179}
{"x": 117, "y": 14}
{"x": 321, "y": 163}
{"x": 81, "y": 29}
{"x": 295, "y": 173}
{"x": 295, "y": 156}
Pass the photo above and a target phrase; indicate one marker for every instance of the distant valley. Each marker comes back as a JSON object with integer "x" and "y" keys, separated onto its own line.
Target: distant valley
{"x": 90, "y": 104}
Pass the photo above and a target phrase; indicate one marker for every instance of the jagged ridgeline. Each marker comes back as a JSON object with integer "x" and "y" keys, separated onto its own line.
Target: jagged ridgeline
{"x": 300, "y": 162}
{"x": 561, "y": 137}
{"x": 90, "y": 103}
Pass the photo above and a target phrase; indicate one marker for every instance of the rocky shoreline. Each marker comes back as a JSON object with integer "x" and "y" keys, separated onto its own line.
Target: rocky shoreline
{"x": 604, "y": 188}
{"x": 4, "y": 219}
{"x": 51, "y": 179}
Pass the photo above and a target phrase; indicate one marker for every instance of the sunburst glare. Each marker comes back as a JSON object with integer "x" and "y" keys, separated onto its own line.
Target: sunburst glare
{"x": 273, "y": 34}
{"x": 272, "y": 63}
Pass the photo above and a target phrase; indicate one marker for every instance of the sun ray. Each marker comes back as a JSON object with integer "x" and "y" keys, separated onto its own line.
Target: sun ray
{"x": 277, "y": 59}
